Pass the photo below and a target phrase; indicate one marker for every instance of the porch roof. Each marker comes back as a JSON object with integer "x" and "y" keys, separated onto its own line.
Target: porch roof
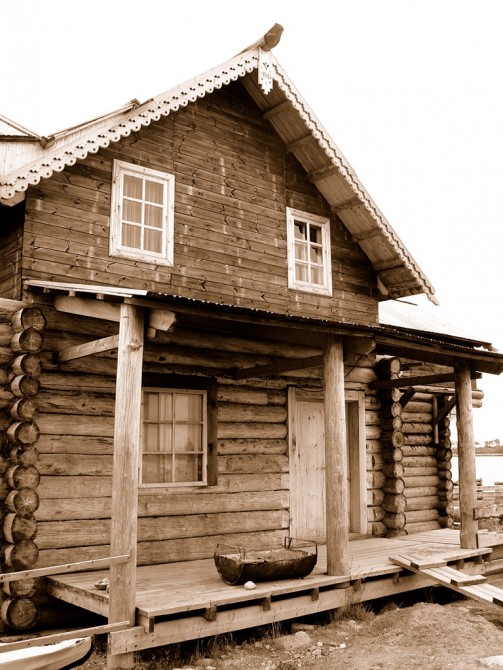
{"x": 441, "y": 348}
{"x": 283, "y": 106}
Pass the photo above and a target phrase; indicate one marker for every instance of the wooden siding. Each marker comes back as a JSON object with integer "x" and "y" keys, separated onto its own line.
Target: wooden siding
{"x": 234, "y": 181}
{"x": 250, "y": 503}
{"x": 11, "y": 225}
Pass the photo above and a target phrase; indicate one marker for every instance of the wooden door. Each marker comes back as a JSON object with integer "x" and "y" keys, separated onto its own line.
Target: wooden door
{"x": 307, "y": 465}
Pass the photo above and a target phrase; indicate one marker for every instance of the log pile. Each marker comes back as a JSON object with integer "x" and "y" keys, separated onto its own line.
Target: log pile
{"x": 21, "y": 339}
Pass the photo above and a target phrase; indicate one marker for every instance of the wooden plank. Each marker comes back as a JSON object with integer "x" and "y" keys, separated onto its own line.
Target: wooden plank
{"x": 89, "y": 348}
{"x": 67, "y": 635}
{"x": 65, "y": 568}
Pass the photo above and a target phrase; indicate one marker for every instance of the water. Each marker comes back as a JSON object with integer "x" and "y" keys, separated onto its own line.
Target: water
{"x": 489, "y": 468}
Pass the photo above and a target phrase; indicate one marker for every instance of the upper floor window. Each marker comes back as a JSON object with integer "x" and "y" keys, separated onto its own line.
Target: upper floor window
{"x": 141, "y": 223}
{"x": 174, "y": 437}
{"x": 309, "y": 267}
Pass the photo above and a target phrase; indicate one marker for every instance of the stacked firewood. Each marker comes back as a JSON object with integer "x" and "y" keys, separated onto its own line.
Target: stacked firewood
{"x": 21, "y": 339}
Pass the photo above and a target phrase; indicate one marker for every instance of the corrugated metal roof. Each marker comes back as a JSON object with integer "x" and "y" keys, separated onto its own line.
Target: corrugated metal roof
{"x": 411, "y": 317}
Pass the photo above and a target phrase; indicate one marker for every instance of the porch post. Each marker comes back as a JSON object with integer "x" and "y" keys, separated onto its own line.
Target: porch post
{"x": 466, "y": 455}
{"x": 125, "y": 473}
{"x": 337, "y": 517}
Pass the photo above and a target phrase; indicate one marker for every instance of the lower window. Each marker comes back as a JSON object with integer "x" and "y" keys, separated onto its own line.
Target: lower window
{"x": 174, "y": 437}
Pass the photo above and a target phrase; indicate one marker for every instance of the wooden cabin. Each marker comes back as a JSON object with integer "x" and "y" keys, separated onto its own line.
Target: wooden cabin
{"x": 191, "y": 352}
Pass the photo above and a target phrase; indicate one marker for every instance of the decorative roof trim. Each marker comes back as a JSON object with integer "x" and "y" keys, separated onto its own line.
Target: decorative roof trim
{"x": 170, "y": 101}
{"x": 334, "y": 154}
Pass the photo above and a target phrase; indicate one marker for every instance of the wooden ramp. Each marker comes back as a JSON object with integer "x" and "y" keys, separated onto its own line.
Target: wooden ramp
{"x": 435, "y": 566}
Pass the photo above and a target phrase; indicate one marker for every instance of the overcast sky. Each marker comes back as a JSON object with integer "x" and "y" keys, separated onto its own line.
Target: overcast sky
{"x": 410, "y": 91}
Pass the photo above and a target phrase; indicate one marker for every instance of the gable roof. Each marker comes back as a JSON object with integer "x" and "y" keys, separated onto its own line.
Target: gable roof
{"x": 282, "y": 105}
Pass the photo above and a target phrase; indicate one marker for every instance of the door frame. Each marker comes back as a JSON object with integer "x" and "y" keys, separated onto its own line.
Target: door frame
{"x": 357, "y": 453}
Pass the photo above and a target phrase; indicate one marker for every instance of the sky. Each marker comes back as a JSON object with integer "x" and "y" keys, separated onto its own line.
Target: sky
{"x": 411, "y": 91}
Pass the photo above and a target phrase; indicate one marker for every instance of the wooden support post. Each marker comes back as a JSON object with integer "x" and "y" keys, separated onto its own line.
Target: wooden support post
{"x": 466, "y": 456}
{"x": 127, "y": 448}
{"x": 336, "y": 467}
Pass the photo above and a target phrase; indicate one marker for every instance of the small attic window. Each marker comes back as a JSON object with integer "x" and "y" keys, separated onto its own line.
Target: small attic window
{"x": 309, "y": 259}
{"x": 141, "y": 222}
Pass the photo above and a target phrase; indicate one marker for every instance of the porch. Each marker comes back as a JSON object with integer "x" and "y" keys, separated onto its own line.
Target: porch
{"x": 188, "y": 600}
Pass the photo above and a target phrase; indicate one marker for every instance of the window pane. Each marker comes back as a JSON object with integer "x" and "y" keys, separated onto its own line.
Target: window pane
{"x": 301, "y": 251}
{"x": 131, "y": 236}
{"x": 300, "y": 231}
{"x": 301, "y": 272}
{"x": 316, "y": 255}
{"x": 188, "y": 437}
{"x": 166, "y": 406}
{"x": 314, "y": 234}
{"x": 151, "y": 406}
{"x": 156, "y": 469}
{"x": 154, "y": 191}
{"x": 188, "y": 468}
{"x": 131, "y": 211}
{"x": 153, "y": 241}
{"x": 317, "y": 275}
{"x": 188, "y": 407}
{"x": 151, "y": 438}
{"x": 153, "y": 216}
{"x": 133, "y": 187}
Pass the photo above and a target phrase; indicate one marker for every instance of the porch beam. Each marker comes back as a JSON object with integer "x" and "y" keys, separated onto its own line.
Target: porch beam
{"x": 127, "y": 447}
{"x": 466, "y": 456}
{"x": 88, "y": 348}
{"x": 336, "y": 466}
{"x": 406, "y": 382}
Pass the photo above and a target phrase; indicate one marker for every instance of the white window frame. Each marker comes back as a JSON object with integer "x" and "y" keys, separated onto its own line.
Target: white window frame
{"x": 293, "y": 215}
{"x": 204, "y": 439}
{"x": 117, "y": 248}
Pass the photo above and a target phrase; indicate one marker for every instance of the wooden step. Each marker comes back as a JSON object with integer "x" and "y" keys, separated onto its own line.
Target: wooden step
{"x": 473, "y": 586}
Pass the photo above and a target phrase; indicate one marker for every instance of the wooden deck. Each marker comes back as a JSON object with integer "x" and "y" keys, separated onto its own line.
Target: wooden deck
{"x": 182, "y": 601}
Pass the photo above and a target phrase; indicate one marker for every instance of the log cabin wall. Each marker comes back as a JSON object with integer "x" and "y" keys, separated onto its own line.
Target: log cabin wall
{"x": 21, "y": 340}
{"x": 417, "y": 458}
{"x": 11, "y": 219}
{"x": 248, "y": 506}
{"x": 234, "y": 180}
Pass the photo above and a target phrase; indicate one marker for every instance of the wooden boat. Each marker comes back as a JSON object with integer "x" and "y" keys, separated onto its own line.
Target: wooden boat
{"x": 56, "y": 656}
{"x": 236, "y": 565}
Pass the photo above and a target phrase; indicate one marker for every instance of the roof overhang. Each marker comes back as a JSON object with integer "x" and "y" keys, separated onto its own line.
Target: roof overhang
{"x": 431, "y": 348}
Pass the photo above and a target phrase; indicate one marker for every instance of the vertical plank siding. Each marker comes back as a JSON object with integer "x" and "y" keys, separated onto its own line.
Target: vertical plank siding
{"x": 234, "y": 181}
{"x": 11, "y": 252}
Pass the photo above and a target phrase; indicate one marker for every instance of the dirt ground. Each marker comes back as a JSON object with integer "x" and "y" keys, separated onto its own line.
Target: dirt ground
{"x": 456, "y": 635}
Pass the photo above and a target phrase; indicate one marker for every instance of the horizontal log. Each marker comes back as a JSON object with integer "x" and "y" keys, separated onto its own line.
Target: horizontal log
{"x": 419, "y": 491}
{"x": 376, "y": 528}
{"x": 394, "y": 503}
{"x": 19, "y": 476}
{"x": 444, "y": 454}
{"x": 21, "y": 588}
{"x": 6, "y": 355}
{"x": 270, "y": 431}
{"x": 25, "y": 386}
{"x": 422, "y": 472}
{"x": 417, "y": 440}
{"x": 425, "y": 502}
{"x": 27, "y": 364}
{"x": 75, "y": 424}
{"x": 395, "y": 521}
{"x": 17, "y": 528}
{"x": 392, "y": 439}
{"x": 417, "y": 417}
{"x": 6, "y": 334}
{"x": 417, "y": 428}
{"x": 23, "y": 433}
{"x": 19, "y": 613}
{"x": 27, "y": 341}
{"x": 24, "y": 456}
{"x": 375, "y": 497}
{"x": 228, "y": 412}
{"x": 6, "y": 375}
{"x": 253, "y": 464}
{"x": 419, "y": 461}
{"x": 251, "y": 446}
{"x": 420, "y": 450}
{"x": 8, "y": 308}
{"x": 83, "y": 403}
{"x": 29, "y": 317}
{"x": 375, "y": 514}
{"x": 56, "y": 534}
{"x": 414, "y": 482}
{"x": 22, "y": 555}
{"x": 393, "y": 470}
{"x": 393, "y": 486}
{"x": 446, "y": 522}
{"x": 250, "y": 396}
{"x": 24, "y": 502}
{"x": 375, "y": 479}
{"x": 421, "y": 515}
{"x": 392, "y": 455}
{"x": 23, "y": 409}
